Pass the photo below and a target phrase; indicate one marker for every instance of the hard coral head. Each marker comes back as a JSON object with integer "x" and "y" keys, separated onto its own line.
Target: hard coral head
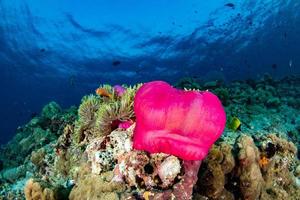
{"x": 177, "y": 122}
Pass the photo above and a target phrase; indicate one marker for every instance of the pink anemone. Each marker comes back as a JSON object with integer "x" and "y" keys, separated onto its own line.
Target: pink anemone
{"x": 177, "y": 122}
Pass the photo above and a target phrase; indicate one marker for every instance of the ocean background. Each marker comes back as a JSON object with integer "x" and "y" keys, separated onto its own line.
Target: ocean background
{"x": 61, "y": 50}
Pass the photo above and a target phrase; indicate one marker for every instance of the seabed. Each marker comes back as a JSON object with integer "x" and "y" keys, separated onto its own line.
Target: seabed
{"x": 81, "y": 152}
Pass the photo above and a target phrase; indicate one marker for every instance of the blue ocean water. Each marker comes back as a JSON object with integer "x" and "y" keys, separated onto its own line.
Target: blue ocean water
{"x": 61, "y": 50}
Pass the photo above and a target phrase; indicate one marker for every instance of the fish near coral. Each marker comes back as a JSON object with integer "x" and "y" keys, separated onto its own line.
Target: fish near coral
{"x": 103, "y": 93}
{"x": 177, "y": 122}
{"x": 235, "y": 124}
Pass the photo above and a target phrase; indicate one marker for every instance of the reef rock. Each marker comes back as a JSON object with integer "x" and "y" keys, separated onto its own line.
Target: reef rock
{"x": 251, "y": 180}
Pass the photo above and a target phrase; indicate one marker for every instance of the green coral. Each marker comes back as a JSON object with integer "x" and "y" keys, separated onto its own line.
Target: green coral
{"x": 115, "y": 110}
{"x": 97, "y": 115}
{"x": 51, "y": 110}
{"x": 188, "y": 83}
{"x": 86, "y": 117}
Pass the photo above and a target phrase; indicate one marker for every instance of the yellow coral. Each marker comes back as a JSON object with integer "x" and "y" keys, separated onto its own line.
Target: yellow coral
{"x": 34, "y": 191}
{"x": 97, "y": 187}
{"x": 147, "y": 194}
{"x": 87, "y": 116}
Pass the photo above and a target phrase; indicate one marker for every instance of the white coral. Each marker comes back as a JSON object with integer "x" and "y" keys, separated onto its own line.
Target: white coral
{"x": 104, "y": 151}
{"x": 169, "y": 169}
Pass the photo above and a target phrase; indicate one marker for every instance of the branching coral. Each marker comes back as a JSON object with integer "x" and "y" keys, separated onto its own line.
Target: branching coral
{"x": 51, "y": 110}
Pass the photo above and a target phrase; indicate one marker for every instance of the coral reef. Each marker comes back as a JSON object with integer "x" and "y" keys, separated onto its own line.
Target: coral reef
{"x": 89, "y": 153}
{"x": 228, "y": 175}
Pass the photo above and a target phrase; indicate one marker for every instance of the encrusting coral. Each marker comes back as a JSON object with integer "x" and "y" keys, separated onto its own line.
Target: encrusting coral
{"x": 97, "y": 187}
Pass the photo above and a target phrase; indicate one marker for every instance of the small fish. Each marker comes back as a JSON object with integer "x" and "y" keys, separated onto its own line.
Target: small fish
{"x": 120, "y": 90}
{"x": 234, "y": 124}
{"x": 103, "y": 93}
{"x": 230, "y": 5}
{"x": 274, "y": 66}
{"x": 116, "y": 63}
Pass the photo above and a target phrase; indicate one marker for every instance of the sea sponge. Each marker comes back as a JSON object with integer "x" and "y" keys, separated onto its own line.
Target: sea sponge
{"x": 37, "y": 157}
{"x": 177, "y": 122}
{"x": 250, "y": 176}
{"x": 216, "y": 166}
{"x": 280, "y": 182}
{"x": 36, "y": 191}
{"x": 97, "y": 187}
